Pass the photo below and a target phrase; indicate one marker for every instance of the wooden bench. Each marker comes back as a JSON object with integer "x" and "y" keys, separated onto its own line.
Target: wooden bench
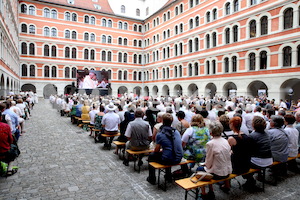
{"x": 189, "y": 186}
{"x": 162, "y": 168}
{"x": 138, "y": 155}
{"x": 120, "y": 148}
{"x": 109, "y": 138}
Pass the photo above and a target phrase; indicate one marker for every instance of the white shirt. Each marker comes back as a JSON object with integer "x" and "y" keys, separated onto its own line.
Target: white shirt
{"x": 248, "y": 120}
{"x": 111, "y": 121}
{"x": 92, "y": 114}
{"x": 293, "y": 140}
{"x": 22, "y": 108}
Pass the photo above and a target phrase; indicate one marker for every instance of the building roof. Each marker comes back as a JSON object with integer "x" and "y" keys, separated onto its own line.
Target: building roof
{"x": 95, "y": 5}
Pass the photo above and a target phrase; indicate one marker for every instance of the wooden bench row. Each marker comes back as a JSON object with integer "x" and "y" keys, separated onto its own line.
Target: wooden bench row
{"x": 188, "y": 185}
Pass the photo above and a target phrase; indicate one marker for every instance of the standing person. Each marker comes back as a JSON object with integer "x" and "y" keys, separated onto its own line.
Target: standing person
{"x": 110, "y": 122}
{"x": 6, "y": 139}
{"x": 168, "y": 139}
{"x": 138, "y": 133}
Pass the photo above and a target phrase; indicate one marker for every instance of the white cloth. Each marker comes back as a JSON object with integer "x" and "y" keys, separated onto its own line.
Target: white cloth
{"x": 248, "y": 120}
{"x": 293, "y": 140}
{"x": 111, "y": 121}
{"x": 262, "y": 162}
{"x": 218, "y": 157}
{"x": 92, "y": 115}
{"x": 22, "y": 108}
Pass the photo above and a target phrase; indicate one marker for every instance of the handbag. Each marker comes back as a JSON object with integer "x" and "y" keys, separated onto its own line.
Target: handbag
{"x": 201, "y": 176}
{"x": 14, "y": 152}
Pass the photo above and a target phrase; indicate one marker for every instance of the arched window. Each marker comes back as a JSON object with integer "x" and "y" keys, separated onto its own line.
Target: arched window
{"x": 53, "y": 14}
{"x": 67, "y": 72}
{"x": 109, "y": 56}
{"x": 140, "y": 59}
{"x": 176, "y": 11}
{"x": 175, "y": 72}
{"x": 119, "y": 75}
{"x": 24, "y": 8}
{"x": 53, "y": 51}
{"x": 208, "y": 17}
{"x": 32, "y": 29}
{"x": 207, "y": 67}
{"x": 234, "y": 63}
{"x": 103, "y": 38}
{"x": 134, "y": 76}
{"x": 120, "y": 41}
{"x": 125, "y": 75}
{"x": 93, "y": 20}
{"x": 190, "y": 70}
{"x": 125, "y": 41}
{"x": 214, "y": 14}
{"x": 190, "y": 46}
{"x": 191, "y": 23}
{"x": 123, "y": 9}
{"x": 180, "y": 71}
{"x": 74, "y": 52}
{"x": 67, "y": 52}
{"x": 31, "y": 10}
{"x": 92, "y": 56}
{"x": 67, "y": 34}
{"x": 207, "y": 41}
{"x": 298, "y": 55}
{"x": 104, "y": 22}
{"x": 135, "y": 27}
{"x": 67, "y": 16}
{"x": 214, "y": 68}
{"x": 125, "y": 58}
{"x": 86, "y": 19}
{"x": 138, "y": 12}
{"x": 125, "y": 26}
{"x": 252, "y": 61}
{"x": 46, "y": 50}
{"x": 119, "y": 57}
{"x": 191, "y": 3}
{"x": 288, "y": 18}
{"x": 180, "y": 49}
{"x": 86, "y": 36}
{"x": 74, "y": 35}
{"x": 197, "y": 21}
{"x": 109, "y": 23}
{"x": 181, "y": 8}
{"x": 196, "y": 69}
{"x": 227, "y": 35}
{"x": 31, "y": 49}
{"x": 24, "y": 28}
{"x": 46, "y": 71}
{"x": 236, "y": 5}
{"x": 252, "y": 29}
{"x": 263, "y": 60}
{"x": 287, "y": 56}
{"x": 196, "y": 44}
{"x": 120, "y": 25}
{"x": 134, "y": 58}
{"x": 53, "y": 72}
{"x": 86, "y": 54}
{"x": 32, "y": 71}
{"x": 53, "y": 32}
{"x": 264, "y": 25}
{"x": 181, "y": 28}
{"x": 47, "y": 31}
{"x": 103, "y": 56}
{"x": 74, "y": 70}
{"x": 74, "y": 17}
{"x": 93, "y": 37}
{"x": 235, "y": 30}
{"x": 24, "y": 70}
{"x": 226, "y": 65}
{"x": 227, "y": 8}
{"x": 109, "y": 39}
{"x": 214, "y": 39}
{"x": 23, "y": 48}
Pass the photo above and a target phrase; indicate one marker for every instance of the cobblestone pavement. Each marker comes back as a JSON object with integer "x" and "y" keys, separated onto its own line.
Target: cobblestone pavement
{"x": 60, "y": 161}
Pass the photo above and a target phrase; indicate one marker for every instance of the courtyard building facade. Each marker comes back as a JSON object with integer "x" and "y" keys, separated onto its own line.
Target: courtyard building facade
{"x": 153, "y": 48}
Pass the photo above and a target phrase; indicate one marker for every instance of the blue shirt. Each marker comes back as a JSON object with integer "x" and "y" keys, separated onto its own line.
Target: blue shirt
{"x": 78, "y": 110}
{"x": 14, "y": 119}
{"x": 163, "y": 138}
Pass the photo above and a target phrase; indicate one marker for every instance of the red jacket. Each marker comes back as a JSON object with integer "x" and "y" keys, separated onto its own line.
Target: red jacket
{"x": 6, "y": 138}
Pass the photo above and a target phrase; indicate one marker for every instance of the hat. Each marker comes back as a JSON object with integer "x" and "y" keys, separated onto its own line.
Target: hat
{"x": 111, "y": 107}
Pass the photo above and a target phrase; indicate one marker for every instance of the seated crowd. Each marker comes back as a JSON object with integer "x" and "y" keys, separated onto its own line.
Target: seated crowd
{"x": 222, "y": 136}
{"x": 14, "y": 110}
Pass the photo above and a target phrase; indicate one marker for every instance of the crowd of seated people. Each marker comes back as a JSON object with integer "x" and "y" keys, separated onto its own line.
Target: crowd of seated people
{"x": 227, "y": 135}
{"x": 14, "y": 110}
